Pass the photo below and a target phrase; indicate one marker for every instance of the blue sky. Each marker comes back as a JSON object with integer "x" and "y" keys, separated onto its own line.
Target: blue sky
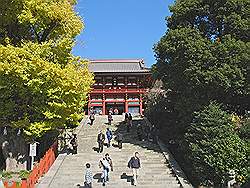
{"x": 121, "y": 29}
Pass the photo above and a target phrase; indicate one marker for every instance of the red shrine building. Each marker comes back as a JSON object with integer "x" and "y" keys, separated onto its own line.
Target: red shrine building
{"x": 120, "y": 85}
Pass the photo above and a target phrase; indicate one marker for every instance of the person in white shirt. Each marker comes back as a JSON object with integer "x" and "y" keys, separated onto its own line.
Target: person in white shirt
{"x": 88, "y": 177}
{"x": 107, "y": 166}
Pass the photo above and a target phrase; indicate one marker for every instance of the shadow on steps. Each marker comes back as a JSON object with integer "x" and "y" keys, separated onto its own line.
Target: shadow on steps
{"x": 131, "y": 137}
{"x": 128, "y": 178}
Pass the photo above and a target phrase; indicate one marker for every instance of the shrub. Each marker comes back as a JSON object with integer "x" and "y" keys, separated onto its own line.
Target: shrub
{"x": 244, "y": 131}
{"x": 214, "y": 148}
{"x": 23, "y": 174}
{"x": 6, "y": 175}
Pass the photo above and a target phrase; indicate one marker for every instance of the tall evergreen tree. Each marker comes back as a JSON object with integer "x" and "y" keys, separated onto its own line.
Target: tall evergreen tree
{"x": 204, "y": 57}
{"x": 215, "y": 148}
{"x": 204, "y": 54}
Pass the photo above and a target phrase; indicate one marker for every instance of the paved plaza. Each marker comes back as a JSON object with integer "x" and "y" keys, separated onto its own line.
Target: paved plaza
{"x": 68, "y": 170}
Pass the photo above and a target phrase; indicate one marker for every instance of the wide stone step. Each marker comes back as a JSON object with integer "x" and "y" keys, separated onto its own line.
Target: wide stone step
{"x": 154, "y": 172}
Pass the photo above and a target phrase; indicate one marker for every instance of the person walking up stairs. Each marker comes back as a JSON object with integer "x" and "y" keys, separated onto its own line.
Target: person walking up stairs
{"x": 67, "y": 171}
{"x": 134, "y": 163}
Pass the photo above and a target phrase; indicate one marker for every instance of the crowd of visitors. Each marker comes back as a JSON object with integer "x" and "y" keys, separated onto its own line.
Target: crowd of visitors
{"x": 106, "y": 165}
{"x": 144, "y": 132}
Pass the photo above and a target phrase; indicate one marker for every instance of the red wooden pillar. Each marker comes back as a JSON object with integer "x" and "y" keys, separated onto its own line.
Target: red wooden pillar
{"x": 103, "y": 105}
{"x": 126, "y": 103}
{"x": 141, "y": 104}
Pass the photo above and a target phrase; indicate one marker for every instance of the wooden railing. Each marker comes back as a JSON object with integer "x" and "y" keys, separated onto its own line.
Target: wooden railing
{"x": 39, "y": 170}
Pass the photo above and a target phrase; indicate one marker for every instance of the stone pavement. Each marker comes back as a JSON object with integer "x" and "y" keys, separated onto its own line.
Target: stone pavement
{"x": 68, "y": 170}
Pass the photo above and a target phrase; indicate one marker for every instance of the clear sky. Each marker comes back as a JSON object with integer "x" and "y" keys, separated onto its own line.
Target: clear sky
{"x": 121, "y": 29}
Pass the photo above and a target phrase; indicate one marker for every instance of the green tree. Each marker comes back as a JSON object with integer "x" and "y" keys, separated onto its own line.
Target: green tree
{"x": 214, "y": 146}
{"x": 212, "y": 18}
{"x": 38, "y": 95}
{"x": 43, "y": 85}
{"x": 38, "y": 20}
{"x": 202, "y": 58}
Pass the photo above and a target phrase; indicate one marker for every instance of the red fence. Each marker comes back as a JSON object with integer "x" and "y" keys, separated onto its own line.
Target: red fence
{"x": 39, "y": 170}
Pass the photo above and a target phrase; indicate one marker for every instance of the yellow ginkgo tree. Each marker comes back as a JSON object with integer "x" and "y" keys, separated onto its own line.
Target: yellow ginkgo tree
{"x": 42, "y": 85}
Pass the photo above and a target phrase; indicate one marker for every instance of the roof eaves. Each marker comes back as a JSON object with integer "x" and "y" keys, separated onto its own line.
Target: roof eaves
{"x": 116, "y": 60}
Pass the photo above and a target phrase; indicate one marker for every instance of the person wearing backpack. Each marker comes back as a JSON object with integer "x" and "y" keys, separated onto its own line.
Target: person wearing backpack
{"x": 107, "y": 166}
{"x": 92, "y": 118}
{"x": 109, "y": 136}
{"x": 100, "y": 140}
{"x": 134, "y": 163}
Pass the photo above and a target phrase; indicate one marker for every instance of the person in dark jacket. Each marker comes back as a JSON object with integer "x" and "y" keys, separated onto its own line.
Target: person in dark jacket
{"x": 110, "y": 119}
{"x": 74, "y": 144}
{"x": 126, "y": 117}
{"x": 129, "y": 123}
{"x": 134, "y": 163}
{"x": 92, "y": 118}
{"x": 100, "y": 140}
{"x": 119, "y": 140}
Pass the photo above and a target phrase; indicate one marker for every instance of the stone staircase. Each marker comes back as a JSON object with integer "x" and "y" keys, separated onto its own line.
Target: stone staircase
{"x": 154, "y": 172}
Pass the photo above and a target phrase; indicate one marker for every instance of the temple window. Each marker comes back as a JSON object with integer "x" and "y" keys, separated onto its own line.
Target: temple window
{"x": 115, "y": 97}
{"x": 96, "y": 97}
{"x": 120, "y": 81}
{"x": 98, "y": 81}
{"x": 108, "y": 81}
{"x": 133, "y": 97}
{"x": 132, "y": 81}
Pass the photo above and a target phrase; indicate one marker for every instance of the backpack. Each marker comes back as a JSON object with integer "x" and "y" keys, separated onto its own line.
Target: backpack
{"x": 105, "y": 164}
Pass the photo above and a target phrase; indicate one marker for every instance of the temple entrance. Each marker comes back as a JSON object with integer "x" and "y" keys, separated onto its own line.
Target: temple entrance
{"x": 97, "y": 110}
{"x": 115, "y": 106}
{"x": 134, "y": 109}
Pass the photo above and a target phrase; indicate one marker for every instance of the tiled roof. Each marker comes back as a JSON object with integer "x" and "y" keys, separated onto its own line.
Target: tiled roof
{"x": 117, "y": 65}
